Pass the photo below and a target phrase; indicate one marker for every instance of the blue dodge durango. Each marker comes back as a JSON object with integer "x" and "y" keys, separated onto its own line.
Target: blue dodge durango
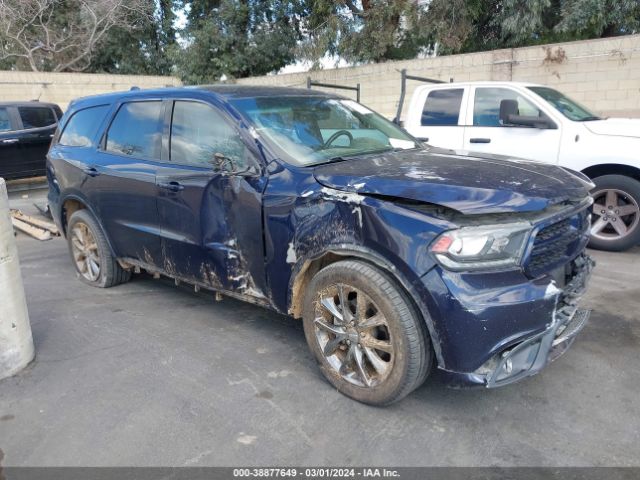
{"x": 402, "y": 260}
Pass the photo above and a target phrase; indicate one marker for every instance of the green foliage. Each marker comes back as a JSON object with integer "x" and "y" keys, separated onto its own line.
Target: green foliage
{"x": 473, "y": 25}
{"x": 144, "y": 50}
{"x": 238, "y": 38}
{"x": 366, "y": 31}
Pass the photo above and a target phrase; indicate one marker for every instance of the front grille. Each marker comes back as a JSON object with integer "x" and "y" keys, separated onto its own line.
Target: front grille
{"x": 557, "y": 243}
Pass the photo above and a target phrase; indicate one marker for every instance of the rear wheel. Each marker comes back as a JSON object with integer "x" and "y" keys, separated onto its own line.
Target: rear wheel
{"x": 92, "y": 257}
{"x": 365, "y": 334}
{"x": 616, "y": 213}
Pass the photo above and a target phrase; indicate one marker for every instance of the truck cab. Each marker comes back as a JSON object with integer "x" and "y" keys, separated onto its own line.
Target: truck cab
{"x": 540, "y": 123}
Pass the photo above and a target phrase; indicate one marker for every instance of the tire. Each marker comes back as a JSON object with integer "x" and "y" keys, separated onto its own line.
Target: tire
{"x": 94, "y": 249}
{"x": 383, "y": 317}
{"x": 613, "y": 196}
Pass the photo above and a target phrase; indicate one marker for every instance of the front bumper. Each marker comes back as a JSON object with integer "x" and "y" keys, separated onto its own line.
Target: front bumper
{"x": 531, "y": 352}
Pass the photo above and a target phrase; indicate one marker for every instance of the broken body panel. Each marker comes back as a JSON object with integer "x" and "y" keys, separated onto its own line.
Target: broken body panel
{"x": 259, "y": 234}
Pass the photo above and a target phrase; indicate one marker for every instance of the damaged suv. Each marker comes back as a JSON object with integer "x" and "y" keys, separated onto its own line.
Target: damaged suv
{"x": 402, "y": 260}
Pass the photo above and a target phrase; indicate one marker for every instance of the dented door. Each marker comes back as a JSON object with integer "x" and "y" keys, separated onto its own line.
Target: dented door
{"x": 210, "y": 206}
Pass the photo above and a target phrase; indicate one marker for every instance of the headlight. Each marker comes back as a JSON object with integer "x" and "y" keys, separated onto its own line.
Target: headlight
{"x": 485, "y": 247}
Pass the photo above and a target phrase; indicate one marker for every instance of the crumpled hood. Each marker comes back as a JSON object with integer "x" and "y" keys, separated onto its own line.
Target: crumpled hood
{"x": 460, "y": 180}
{"x": 621, "y": 127}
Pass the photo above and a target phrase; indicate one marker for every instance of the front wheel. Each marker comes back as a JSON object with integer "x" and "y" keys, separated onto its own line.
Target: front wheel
{"x": 365, "y": 334}
{"x": 616, "y": 213}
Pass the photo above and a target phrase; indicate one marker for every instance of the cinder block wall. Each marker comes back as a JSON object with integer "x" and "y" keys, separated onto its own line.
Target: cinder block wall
{"x": 602, "y": 74}
{"x": 61, "y": 88}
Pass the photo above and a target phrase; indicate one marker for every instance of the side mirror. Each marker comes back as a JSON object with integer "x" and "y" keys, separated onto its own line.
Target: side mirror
{"x": 531, "y": 121}
{"x": 229, "y": 166}
{"x": 510, "y": 115}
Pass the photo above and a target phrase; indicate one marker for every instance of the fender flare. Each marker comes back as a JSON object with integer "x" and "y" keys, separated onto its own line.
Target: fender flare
{"x": 375, "y": 259}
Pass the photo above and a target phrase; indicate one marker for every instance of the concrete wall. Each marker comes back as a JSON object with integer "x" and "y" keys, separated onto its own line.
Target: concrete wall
{"x": 61, "y": 88}
{"x": 603, "y": 74}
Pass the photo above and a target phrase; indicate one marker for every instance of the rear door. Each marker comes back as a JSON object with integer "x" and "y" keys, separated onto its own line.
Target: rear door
{"x": 437, "y": 116}
{"x": 210, "y": 201}
{"x": 486, "y": 133}
{"x": 38, "y": 125}
{"x": 9, "y": 139}
{"x": 120, "y": 180}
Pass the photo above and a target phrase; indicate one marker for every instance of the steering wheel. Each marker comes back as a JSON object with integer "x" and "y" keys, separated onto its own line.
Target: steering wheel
{"x": 333, "y": 138}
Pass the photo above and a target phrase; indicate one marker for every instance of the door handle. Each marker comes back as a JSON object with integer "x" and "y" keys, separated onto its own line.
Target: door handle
{"x": 171, "y": 186}
{"x": 480, "y": 140}
{"x": 91, "y": 171}
{"x": 9, "y": 141}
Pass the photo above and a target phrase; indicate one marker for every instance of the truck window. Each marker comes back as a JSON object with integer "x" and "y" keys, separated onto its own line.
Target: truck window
{"x": 82, "y": 126}
{"x": 486, "y": 107}
{"x": 442, "y": 107}
{"x": 136, "y": 130}
{"x": 5, "y": 124}
{"x": 36, "y": 117}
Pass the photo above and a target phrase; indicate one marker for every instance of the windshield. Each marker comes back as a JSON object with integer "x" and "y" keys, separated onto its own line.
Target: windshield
{"x": 309, "y": 130}
{"x": 569, "y": 108}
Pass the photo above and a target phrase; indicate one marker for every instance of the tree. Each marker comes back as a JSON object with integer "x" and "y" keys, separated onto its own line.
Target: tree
{"x": 238, "y": 38}
{"x": 365, "y": 31}
{"x": 143, "y": 50}
{"x": 62, "y": 35}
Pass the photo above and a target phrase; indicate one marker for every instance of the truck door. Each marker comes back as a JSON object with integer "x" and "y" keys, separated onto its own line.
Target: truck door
{"x": 210, "y": 202}
{"x": 436, "y": 116}
{"x": 486, "y": 132}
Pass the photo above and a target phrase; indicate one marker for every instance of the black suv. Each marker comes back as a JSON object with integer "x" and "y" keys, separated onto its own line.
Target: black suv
{"x": 26, "y": 130}
{"x": 400, "y": 259}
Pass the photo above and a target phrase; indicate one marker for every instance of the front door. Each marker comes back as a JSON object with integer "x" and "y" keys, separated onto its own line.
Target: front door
{"x": 210, "y": 203}
{"x": 486, "y": 133}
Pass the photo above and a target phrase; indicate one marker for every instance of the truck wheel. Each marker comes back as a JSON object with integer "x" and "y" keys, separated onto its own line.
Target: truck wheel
{"x": 91, "y": 254}
{"x": 365, "y": 334}
{"x": 616, "y": 213}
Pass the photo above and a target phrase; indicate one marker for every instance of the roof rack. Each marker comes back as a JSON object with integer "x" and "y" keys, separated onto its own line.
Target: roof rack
{"x": 403, "y": 89}
{"x": 356, "y": 89}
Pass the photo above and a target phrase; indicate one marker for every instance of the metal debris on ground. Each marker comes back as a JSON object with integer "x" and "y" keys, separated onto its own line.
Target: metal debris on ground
{"x": 35, "y": 227}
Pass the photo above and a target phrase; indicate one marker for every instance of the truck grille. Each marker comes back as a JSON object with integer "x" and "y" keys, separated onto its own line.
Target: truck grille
{"x": 557, "y": 244}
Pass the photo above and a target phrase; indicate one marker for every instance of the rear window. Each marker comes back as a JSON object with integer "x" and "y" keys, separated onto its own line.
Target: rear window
{"x": 442, "y": 107}
{"x": 136, "y": 130}
{"x": 36, "y": 117}
{"x": 82, "y": 126}
{"x": 5, "y": 124}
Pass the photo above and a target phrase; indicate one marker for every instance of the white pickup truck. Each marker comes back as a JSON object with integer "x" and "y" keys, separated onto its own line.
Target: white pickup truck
{"x": 537, "y": 122}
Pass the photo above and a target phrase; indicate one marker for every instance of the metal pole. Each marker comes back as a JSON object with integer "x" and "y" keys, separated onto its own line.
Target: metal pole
{"x": 403, "y": 91}
{"x": 16, "y": 342}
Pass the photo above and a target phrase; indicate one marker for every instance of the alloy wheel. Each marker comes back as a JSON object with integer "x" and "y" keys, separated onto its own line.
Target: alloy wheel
{"x": 353, "y": 335}
{"x": 617, "y": 214}
{"x": 85, "y": 252}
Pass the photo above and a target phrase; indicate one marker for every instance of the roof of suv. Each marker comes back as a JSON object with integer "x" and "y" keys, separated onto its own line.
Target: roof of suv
{"x": 223, "y": 91}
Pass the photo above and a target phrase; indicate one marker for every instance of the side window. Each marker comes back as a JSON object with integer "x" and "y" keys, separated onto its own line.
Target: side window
{"x": 136, "y": 130}
{"x": 486, "y": 107}
{"x": 82, "y": 126}
{"x": 36, "y": 117}
{"x": 442, "y": 107}
{"x": 199, "y": 132}
{"x": 5, "y": 123}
